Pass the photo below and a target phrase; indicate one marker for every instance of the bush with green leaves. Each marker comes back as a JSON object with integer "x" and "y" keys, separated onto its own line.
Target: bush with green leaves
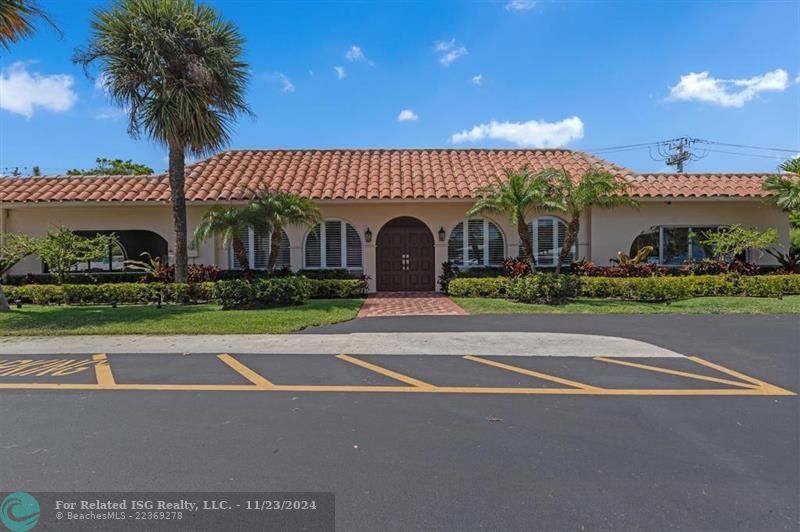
{"x": 260, "y": 293}
{"x": 478, "y": 287}
{"x": 101, "y": 294}
{"x": 337, "y": 288}
{"x": 543, "y": 288}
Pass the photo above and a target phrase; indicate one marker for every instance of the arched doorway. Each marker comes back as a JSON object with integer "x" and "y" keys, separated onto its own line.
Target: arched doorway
{"x": 405, "y": 256}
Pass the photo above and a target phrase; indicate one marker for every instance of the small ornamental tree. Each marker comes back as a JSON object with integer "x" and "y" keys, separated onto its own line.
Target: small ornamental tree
{"x": 732, "y": 241}
{"x": 113, "y": 167}
{"x": 13, "y": 248}
{"x": 61, "y": 249}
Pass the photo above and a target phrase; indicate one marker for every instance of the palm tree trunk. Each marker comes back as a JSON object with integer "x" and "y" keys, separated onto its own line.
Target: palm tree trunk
{"x": 241, "y": 253}
{"x": 177, "y": 181}
{"x": 274, "y": 248}
{"x": 573, "y": 228}
{"x": 525, "y": 246}
{"x": 3, "y": 301}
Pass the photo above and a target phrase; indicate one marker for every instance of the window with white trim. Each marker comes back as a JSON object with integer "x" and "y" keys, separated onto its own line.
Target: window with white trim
{"x": 482, "y": 244}
{"x": 341, "y": 245}
{"x": 547, "y": 237}
{"x": 258, "y": 247}
{"x": 674, "y": 245}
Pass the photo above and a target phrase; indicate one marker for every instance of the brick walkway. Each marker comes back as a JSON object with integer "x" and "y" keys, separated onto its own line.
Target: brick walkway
{"x": 409, "y": 304}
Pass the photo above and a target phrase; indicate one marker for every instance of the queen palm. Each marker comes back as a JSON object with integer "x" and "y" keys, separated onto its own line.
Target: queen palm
{"x": 175, "y": 67}
{"x": 16, "y": 20}
{"x": 786, "y": 188}
{"x": 280, "y": 209}
{"x": 519, "y": 195}
{"x": 228, "y": 224}
{"x": 573, "y": 197}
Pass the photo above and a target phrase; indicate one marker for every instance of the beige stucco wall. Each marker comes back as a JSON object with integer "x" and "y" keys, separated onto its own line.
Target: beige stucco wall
{"x": 614, "y": 229}
{"x": 603, "y": 232}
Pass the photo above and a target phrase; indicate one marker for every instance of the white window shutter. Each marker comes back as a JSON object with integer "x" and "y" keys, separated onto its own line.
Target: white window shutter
{"x": 475, "y": 242}
{"x": 455, "y": 245}
{"x": 313, "y": 255}
{"x": 545, "y": 241}
{"x": 244, "y": 235}
{"x": 333, "y": 244}
{"x": 260, "y": 254}
{"x": 497, "y": 245}
{"x": 284, "y": 251}
{"x": 353, "y": 248}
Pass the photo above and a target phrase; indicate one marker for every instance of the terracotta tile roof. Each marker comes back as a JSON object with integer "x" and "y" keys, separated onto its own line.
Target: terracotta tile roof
{"x": 361, "y": 174}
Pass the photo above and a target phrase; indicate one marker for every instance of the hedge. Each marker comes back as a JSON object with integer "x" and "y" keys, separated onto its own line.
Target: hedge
{"x": 90, "y": 294}
{"x": 259, "y": 293}
{"x": 551, "y": 287}
{"x": 337, "y": 288}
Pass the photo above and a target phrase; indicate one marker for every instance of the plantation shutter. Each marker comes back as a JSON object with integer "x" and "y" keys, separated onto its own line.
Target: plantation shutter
{"x": 261, "y": 243}
{"x": 545, "y": 240}
{"x": 497, "y": 246}
{"x": 244, "y": 235}
{"x": 562, "y": 232}
{"x": 333, "y": 244}
{"x": 312, "y": 251}
{"x": 455, "y": 245}
{"x": 283, "y": 252}
{"x": 353, "y": 246}
{"x": 475, "y": 242}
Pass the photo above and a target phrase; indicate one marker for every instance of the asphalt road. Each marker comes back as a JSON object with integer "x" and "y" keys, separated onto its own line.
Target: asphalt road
{"x": 431, "y": 461}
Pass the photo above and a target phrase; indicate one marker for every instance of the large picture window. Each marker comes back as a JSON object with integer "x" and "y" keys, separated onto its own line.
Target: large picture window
{"x": 482, "y": 244}
{"x": 258, "y": 248}
{"x": 674, "y": 245}
{"x": 333, "y": 244}
{"x": 547, "y": 234}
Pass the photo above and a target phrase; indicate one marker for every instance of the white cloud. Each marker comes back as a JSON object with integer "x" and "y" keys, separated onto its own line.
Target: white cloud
{"x": 477, "y": 80}
{"x": 407, "y": 115}
{"x": 111, "y": 113}
{"x": 356, "y": 55}
{"x": 520, "y": 5}
{"x": 22, "y": 91}
{"x": 101, "y": 82}
{"x": 340, "y": 73}
{"x": 449, "y": 51}
{"x": 701, "y": 87}
{"x": 533, "y": 133}
{"x": 285, "y": 81}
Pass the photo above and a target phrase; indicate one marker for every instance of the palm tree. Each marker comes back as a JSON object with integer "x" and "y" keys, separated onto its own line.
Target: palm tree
{"x": 574, "y": 197}
{"x": 280, "y": 209}
{"x": 791, "y": 166}
{"x": 786, "y": 190}
{"x": 520, "y": 194}
{"x": 228, "y": 223}
{"x": 16, "y": 20}
{"x": 175, "y": 67}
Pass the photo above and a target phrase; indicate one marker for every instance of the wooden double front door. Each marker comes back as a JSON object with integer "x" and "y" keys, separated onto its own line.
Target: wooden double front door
{"x": 405, "y": 257}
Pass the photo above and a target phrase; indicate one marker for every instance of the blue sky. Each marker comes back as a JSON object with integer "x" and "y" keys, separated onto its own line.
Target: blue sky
{"x": 518, "y": 73}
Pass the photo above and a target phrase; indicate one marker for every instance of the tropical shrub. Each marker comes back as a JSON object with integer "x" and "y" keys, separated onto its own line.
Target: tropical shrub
{"x": 122, "y": 293}
{"x": 627, "y": 269}
{"x": 259, "y": 293}
{"x": 543, "y": 288}
{"x": 478, "y": 287}
{"x": 449, "y": 272}
{"x": 337, "y": 288}
{"x": 516, "y": 267}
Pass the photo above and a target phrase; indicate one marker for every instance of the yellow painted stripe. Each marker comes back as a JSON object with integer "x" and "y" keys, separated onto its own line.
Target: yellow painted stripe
{"x": 674, "y": 372}
{"x": 245, "y": 372}
{"x": 531, "y": 373}
{"x": 102, "y": 370}
{"x": 766, "y": 391}
{"x": 386, "y": 372}
{"x": 757, "y": 383}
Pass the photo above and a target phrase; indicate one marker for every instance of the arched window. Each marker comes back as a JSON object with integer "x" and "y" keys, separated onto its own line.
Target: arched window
{"x": 333, "y": 244}
{"x": 547, "y": 235}
{"x": 482, "y": 244}
{"x": 257, "y": 245}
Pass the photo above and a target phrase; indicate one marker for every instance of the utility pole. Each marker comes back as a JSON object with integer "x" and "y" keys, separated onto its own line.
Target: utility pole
{"x": 681, "y": 155}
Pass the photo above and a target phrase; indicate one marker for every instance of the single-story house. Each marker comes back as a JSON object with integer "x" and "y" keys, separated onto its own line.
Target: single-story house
{"x": 394, "y": 215}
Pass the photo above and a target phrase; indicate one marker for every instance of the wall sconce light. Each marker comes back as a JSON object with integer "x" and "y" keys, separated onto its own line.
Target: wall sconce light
{"x": 442, "y": 234}
{"x": 368, "y": 235}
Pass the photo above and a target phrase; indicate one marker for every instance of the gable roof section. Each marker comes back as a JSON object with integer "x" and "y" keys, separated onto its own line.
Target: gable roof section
{"x": 362, "y": 174}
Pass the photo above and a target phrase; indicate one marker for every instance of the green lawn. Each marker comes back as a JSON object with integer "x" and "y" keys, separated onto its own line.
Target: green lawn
{"x": 173, "y": 319}
{"x": 700, "y": 305}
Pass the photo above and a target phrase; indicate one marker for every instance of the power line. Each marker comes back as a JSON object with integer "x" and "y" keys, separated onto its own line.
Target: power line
{"x": 788, "y": 150}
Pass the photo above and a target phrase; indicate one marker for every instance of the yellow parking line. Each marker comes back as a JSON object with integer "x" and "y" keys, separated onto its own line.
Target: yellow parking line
{"x": 245, "y": 372}
{"x": 675, "y": 372}
{"x": 532, "y": 373}
{"x": 102, "y": 370}
{"x": 386, "y": 372}
{"x": 756, "y": 383}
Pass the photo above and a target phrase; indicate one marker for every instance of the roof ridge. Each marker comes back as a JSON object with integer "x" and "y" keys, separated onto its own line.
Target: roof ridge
{"x": 230, "y": 150}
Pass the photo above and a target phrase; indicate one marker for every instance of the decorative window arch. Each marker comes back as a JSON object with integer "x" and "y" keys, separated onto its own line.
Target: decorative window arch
{"x": 258, "y": 247}
{"x": 482, "y": 244}
{"x": 333, "y": 244}
{"x": 547, "y": 237}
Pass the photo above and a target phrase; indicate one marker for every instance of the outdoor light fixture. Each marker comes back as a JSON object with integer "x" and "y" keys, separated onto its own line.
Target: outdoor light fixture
{"x": 368, "y": 235}
{"x": 442, "y": 234}
{"x": 18, "y": 302}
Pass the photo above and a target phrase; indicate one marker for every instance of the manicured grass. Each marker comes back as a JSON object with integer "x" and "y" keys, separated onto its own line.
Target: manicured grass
{"x": 700, "y": 305}
{"x": 173, "y": 319}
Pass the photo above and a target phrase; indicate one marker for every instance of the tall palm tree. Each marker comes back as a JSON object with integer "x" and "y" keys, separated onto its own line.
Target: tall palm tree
{"x": 786, "y": 190}
{"x": 228, "y": 223}
{"x": 16, "y": 20}
{"x": 519, "y": 195}
{"x": 574, "y": 197}
{"x": 791, "y": 166}
{"x": 175, "y": 67}
{"x": 280, "y": 209}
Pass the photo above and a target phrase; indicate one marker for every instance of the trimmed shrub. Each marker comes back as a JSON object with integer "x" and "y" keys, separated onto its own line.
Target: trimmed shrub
{"x": 99, "y": 294}
{"x": 259, "y": 293}
{"x": 478, "y": 287}
{"x": 543, "y": 288}
{"x": 329, "y": 273}
{"x": 337, "y": 288}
